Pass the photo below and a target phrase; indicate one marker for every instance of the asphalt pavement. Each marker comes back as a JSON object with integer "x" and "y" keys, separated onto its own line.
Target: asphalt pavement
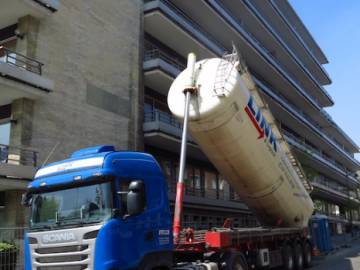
{"x": 343, "y": 259}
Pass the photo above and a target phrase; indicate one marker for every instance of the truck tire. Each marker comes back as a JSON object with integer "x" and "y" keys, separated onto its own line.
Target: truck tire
{"x": 235, "y": 261}
{"x": 288, "y": 258}
{"x": 298, "y": 257}
{"x": 307, "y": 254}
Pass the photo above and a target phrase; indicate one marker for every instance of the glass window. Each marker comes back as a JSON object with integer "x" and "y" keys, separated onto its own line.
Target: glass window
{"x": 197, "y": 178}
{"x": 5, "y": 133}
{"x": 85, "y": 204}
{"x": 210, "y": 180}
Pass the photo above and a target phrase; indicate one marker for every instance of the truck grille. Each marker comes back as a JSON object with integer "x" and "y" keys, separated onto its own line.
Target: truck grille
{"x": 75, "y": 267}
{"x": 65, "y": 249}
{"x": 70, "y": 258}
{"x": 55, "y": 258}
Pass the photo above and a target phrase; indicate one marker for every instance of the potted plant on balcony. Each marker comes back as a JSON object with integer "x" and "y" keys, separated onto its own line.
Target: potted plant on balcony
{"x": 8, "y": 254}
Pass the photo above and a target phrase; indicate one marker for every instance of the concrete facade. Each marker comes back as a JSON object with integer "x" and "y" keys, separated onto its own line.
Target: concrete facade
{"x": 108, "y": 66}
{"x": 88, "y": 51}
{"x": 91, "y": 53}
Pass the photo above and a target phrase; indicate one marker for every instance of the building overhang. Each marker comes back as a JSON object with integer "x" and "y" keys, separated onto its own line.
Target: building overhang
{"x": 167, "y": 137}
{"x": 12, "y": 10}
{"x": 163, "y": 23}
{"x": 324, "y": 167}
{"x": 14, "y": 176}
{"x": 214, "y": 17}
{"x": 159, "y": 75}
{"x": 16, "y": 82}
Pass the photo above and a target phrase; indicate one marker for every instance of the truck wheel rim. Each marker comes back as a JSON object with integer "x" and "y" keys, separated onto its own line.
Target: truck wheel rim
{"x": 238, "y": 266}
{"x": 291, "y": 263}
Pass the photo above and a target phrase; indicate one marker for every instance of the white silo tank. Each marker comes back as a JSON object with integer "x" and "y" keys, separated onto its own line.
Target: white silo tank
{"x": 230, "y": 129}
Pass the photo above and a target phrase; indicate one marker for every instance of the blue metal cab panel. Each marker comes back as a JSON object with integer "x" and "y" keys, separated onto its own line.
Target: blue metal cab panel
{"x": 122, "y": 242}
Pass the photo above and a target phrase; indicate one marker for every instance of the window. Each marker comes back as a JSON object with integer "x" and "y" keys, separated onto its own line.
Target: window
{"x": 5, "y": 133}
{"x": 73, "y": 206}
{"x": 9, "y": 45}
{"x": 210, "y": 184}
{"x": 224, "y": 188}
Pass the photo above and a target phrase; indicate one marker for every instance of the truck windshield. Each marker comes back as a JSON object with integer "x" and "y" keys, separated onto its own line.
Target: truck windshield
{"x": 74, "y": 206}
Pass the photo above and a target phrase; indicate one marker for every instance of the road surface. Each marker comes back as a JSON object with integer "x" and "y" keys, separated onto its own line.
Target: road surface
{"x": 344, "y": 259}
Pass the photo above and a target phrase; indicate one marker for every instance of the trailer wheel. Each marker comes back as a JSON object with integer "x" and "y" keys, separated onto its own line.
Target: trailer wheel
{"x": 298, "y": 257}
{"x": 307, "y": 254}
{"x": 235, "y": 261}
{"x": 288, "y": 257}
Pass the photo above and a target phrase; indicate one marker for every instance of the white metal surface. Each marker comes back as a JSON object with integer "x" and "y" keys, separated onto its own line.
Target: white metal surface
{"x": 232, "y": 131}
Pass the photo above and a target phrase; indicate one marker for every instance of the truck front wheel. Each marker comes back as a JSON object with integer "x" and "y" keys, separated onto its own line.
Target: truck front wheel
{"x": 235, "y": 261}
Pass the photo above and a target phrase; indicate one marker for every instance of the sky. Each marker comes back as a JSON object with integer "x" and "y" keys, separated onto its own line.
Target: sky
{"x": 335, "y": 25}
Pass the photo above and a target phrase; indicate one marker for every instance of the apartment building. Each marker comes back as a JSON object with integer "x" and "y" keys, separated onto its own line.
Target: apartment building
{"x": 75, "y": 74}
{"x": 286, "y": 64}
{"x": 69, "y": 78}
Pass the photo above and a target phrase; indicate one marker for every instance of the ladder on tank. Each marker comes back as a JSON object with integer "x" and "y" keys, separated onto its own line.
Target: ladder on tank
{"x": 235, "y": 59}
{"x": 223, "y": 72}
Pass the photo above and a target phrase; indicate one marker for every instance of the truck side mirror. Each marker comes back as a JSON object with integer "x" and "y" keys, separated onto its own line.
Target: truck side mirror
{"x": 26, "y": 199}
{"x": 136, "y": 198}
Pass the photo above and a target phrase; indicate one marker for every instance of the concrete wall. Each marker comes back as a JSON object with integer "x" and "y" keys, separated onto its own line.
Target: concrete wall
{"x": 13, "y": 214}
{"x": 91, "y": 50}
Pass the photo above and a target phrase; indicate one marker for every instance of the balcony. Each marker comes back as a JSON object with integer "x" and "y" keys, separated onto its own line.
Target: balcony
{"x": 299, "y": 29}
{"x": 213, "y": 17}
{"x": 322, "y": 162}
{"x": 254, "y": 22}
{"x": 286, "y": 30}
{"x": 329, "y": 189}
{"x": 313, "y": 132}
{"x": 17, "y": 166}
{"x": 160, "y": 68}
{"x": 12, "y": 10}
{"x": 20, "y": 77}
{"x": 166, "y": 23}
{"x": 163, "y": 130}
{"x": 217, "y": 199}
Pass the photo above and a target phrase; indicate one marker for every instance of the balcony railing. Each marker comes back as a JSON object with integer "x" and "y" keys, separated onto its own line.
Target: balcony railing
{"x": 161, "y": 116}
{"x": 301, "y": 143}
{"x": 17, "y": 59}
{"x": 331, "y": 187}
{"x": 289, "y": 106}
{"x": 17, "y": 156}
{"x": 206, "y": 193}
{"x": 153, "y": 52}
{"x": 286, "y": 47}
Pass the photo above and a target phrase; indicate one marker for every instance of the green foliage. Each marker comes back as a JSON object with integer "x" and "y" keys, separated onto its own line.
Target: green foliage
{"x": 318, "y": 206}
{"x": 7, "y": 247}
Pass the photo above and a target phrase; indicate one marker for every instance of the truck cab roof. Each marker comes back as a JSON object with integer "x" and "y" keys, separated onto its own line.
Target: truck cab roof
{"x": 96, "y": 161}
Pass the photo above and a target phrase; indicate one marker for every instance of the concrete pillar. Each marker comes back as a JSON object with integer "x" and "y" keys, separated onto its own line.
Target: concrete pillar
{"x": 28, "y": 28}
{"x": 21, "y": 127}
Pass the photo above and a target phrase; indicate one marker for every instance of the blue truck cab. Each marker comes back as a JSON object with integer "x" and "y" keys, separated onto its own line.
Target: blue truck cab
{"x": 99, "y": 209}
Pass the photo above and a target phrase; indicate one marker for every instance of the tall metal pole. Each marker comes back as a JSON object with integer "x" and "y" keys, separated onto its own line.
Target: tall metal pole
{"x": 180, "y": 187}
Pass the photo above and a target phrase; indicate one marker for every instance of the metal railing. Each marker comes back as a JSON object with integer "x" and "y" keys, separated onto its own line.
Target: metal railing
{"x": 330, "y": 186}
{"x": 17, "y": 59}
{"x": 314, "y": 150}
{"x": 293, "y": 107}
{"x": 12, "y": 248}
{"x": 17, "y": 155}
{"x": 216, "y": 194}
{"x": 161, "y": 116}
{"x": 154, "y": 52}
